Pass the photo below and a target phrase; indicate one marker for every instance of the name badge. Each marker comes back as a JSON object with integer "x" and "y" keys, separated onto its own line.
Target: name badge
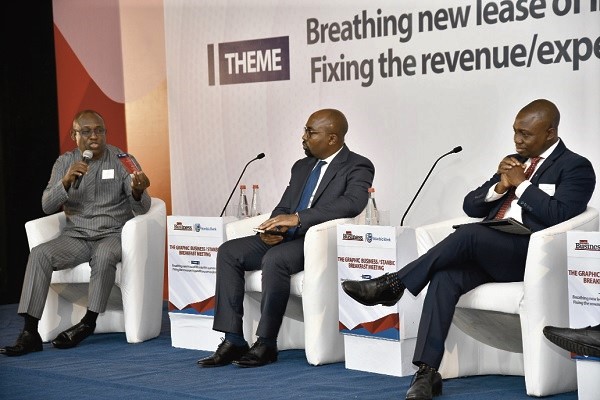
{"x": 548, "y": 188}
{"x": 108, "y": 174}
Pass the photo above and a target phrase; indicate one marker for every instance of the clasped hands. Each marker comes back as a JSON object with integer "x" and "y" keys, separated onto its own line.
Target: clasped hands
{"x": 280, "y": 223}
{"x": 512, "y": 174}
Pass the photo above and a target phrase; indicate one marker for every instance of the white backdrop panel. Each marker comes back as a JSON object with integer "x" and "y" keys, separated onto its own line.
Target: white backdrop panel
{"x": 402, "y": 123}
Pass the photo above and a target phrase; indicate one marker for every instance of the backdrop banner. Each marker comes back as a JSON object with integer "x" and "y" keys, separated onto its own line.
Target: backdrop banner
{"x": 415, "y": 79}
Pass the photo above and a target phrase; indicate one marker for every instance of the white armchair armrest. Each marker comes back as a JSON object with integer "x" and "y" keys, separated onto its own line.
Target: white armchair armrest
{"x": 44, "y": 229}
{"x": 243, "y": 227}
{"x": 430, "y": 235}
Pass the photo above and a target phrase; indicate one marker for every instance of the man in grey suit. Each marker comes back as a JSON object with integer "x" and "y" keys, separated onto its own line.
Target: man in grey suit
{"x": 98, "y": 196}
{"x": 331, "y": 182}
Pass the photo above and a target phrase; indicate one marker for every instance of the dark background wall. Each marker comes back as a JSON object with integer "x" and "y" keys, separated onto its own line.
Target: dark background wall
{"x": 28, "y": 130}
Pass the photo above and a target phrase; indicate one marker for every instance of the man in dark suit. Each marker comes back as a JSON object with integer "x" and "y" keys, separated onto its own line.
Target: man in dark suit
{"x": 542, "y": 185}
{"x": 331, "y": 182}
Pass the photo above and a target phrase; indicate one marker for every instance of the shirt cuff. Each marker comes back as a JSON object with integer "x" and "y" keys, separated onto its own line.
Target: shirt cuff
{"x": 492, "y": 195}
{"x": 521, "y": 188}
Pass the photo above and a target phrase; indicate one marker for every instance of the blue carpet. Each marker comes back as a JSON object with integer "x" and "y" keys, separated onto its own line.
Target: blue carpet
{"x": 105, "y": 366}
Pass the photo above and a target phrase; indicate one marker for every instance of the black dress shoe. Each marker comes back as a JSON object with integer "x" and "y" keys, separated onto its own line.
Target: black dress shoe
{"x": 259, "y": 354}
{"x": 426, "y": 383}
{"x": 385, "y": 290}
{"x": 225, "y": 354}
{"x": 73, "y": 336}
{"x": 27, "y": 342}
{"x": 583, "y": 341}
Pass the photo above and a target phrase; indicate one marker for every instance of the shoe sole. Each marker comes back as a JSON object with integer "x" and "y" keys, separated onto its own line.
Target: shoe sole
{"x": 213, "y": 365}
{"x": 10, "y": 354}
{"x": 383, "y": 303}
{"x": 64, "y": 346}
{"x": 237, "y": 364}
{"x": 573, "y": 346}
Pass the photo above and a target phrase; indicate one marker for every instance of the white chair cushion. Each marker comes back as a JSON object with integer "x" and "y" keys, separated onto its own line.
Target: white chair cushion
{"x": 501, "y": 297}
{"x": 80, "y": 274}
{"x": 254, "y": 282}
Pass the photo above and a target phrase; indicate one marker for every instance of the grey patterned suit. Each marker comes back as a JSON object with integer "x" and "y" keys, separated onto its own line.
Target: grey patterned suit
{"x": 96, "y": 213}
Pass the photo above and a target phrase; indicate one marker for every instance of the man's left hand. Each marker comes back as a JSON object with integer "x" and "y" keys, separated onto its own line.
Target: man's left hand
{"x": 139, "y": 183}
{"x": 512, "y": 172}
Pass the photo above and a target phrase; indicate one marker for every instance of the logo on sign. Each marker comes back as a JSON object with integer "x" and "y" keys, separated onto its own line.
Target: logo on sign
{"x": 369, "y": 237}
{"x": 585, "y": 245}
{"x": 179, "y": 226}
{"x": 349, "y": 236}
{"x": 198, "y": 228}
{"x": 259, "y": 60}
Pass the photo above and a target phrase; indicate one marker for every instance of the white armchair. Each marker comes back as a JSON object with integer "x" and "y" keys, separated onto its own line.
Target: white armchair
{"x": 135, "y": 303}
{"x": 311, "y": 317}
{"x": 497, "y": 327}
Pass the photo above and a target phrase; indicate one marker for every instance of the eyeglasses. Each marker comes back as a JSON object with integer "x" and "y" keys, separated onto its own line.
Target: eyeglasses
{"x": 309, "y": 131}
{"x": 99, "y": 131}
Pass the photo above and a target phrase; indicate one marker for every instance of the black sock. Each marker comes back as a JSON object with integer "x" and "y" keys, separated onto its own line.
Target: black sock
{"x": 31, "y": 323}
{"x": 90, "y": 318}
{"x": 268, "y": 341}
{"x": 236, "y": 339}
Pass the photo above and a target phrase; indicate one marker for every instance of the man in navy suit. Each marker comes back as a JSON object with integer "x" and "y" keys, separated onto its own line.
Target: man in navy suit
{"x": 330, "y": 182}
{"x": 557, "y": 188}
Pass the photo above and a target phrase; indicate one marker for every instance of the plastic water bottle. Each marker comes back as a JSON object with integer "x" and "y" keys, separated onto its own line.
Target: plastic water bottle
{"x": 243, "y": 204}
{"x": 255, "y": 204}
{"x": 371, "y": 214}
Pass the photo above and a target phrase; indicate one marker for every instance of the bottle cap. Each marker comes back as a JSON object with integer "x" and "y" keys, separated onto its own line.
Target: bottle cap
{"x": 371, "y": 190}
{"x": 255, "y": 186}
{"x": 242, "y": 186}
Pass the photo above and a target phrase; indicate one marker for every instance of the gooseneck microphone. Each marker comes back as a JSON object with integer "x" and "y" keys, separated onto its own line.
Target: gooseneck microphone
{"x": 87, "y": 156}
{"x": 258, "y": 157}
{"x": 457, "y": 149}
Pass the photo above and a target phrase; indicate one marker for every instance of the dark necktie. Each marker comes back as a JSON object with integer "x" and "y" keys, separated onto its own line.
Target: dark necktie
{"x": 310, "y": 185}
{"x": 511, "y": 193}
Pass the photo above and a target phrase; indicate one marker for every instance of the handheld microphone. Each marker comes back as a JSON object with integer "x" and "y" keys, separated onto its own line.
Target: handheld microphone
{"x": 258, "y": 157}
{"x": 457, "y": 149}
{"x": 87, "y": 156}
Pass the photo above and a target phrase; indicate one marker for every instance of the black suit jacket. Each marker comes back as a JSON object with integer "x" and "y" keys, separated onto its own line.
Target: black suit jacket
{"x": 573, "y": 180}
{"x": 342, "y": 192}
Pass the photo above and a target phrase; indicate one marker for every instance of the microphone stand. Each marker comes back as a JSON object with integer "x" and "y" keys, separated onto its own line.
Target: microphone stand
{"x": 454, "y": 150}
{"x": 258, "y": 157}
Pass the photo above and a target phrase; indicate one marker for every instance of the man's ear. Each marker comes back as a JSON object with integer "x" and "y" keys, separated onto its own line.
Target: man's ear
{"x": 333, "y": 138}
{"x": 552, "y": 135}
{"x": 72, "y": 132}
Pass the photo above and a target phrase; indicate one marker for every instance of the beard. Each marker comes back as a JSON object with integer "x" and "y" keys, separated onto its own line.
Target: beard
{"x": 308, "y": 152}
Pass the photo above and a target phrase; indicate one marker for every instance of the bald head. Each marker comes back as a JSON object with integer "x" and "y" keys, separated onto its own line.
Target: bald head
{"x": 324, "y": 133}
{"x": 536, "y": 128}
{"x": 333, "y": 120}
{"x": 545, "y": 110}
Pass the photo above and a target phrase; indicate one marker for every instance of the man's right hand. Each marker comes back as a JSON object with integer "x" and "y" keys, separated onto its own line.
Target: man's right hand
{"x": 505, "y": 168}
{"x": 77, "y": 169}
